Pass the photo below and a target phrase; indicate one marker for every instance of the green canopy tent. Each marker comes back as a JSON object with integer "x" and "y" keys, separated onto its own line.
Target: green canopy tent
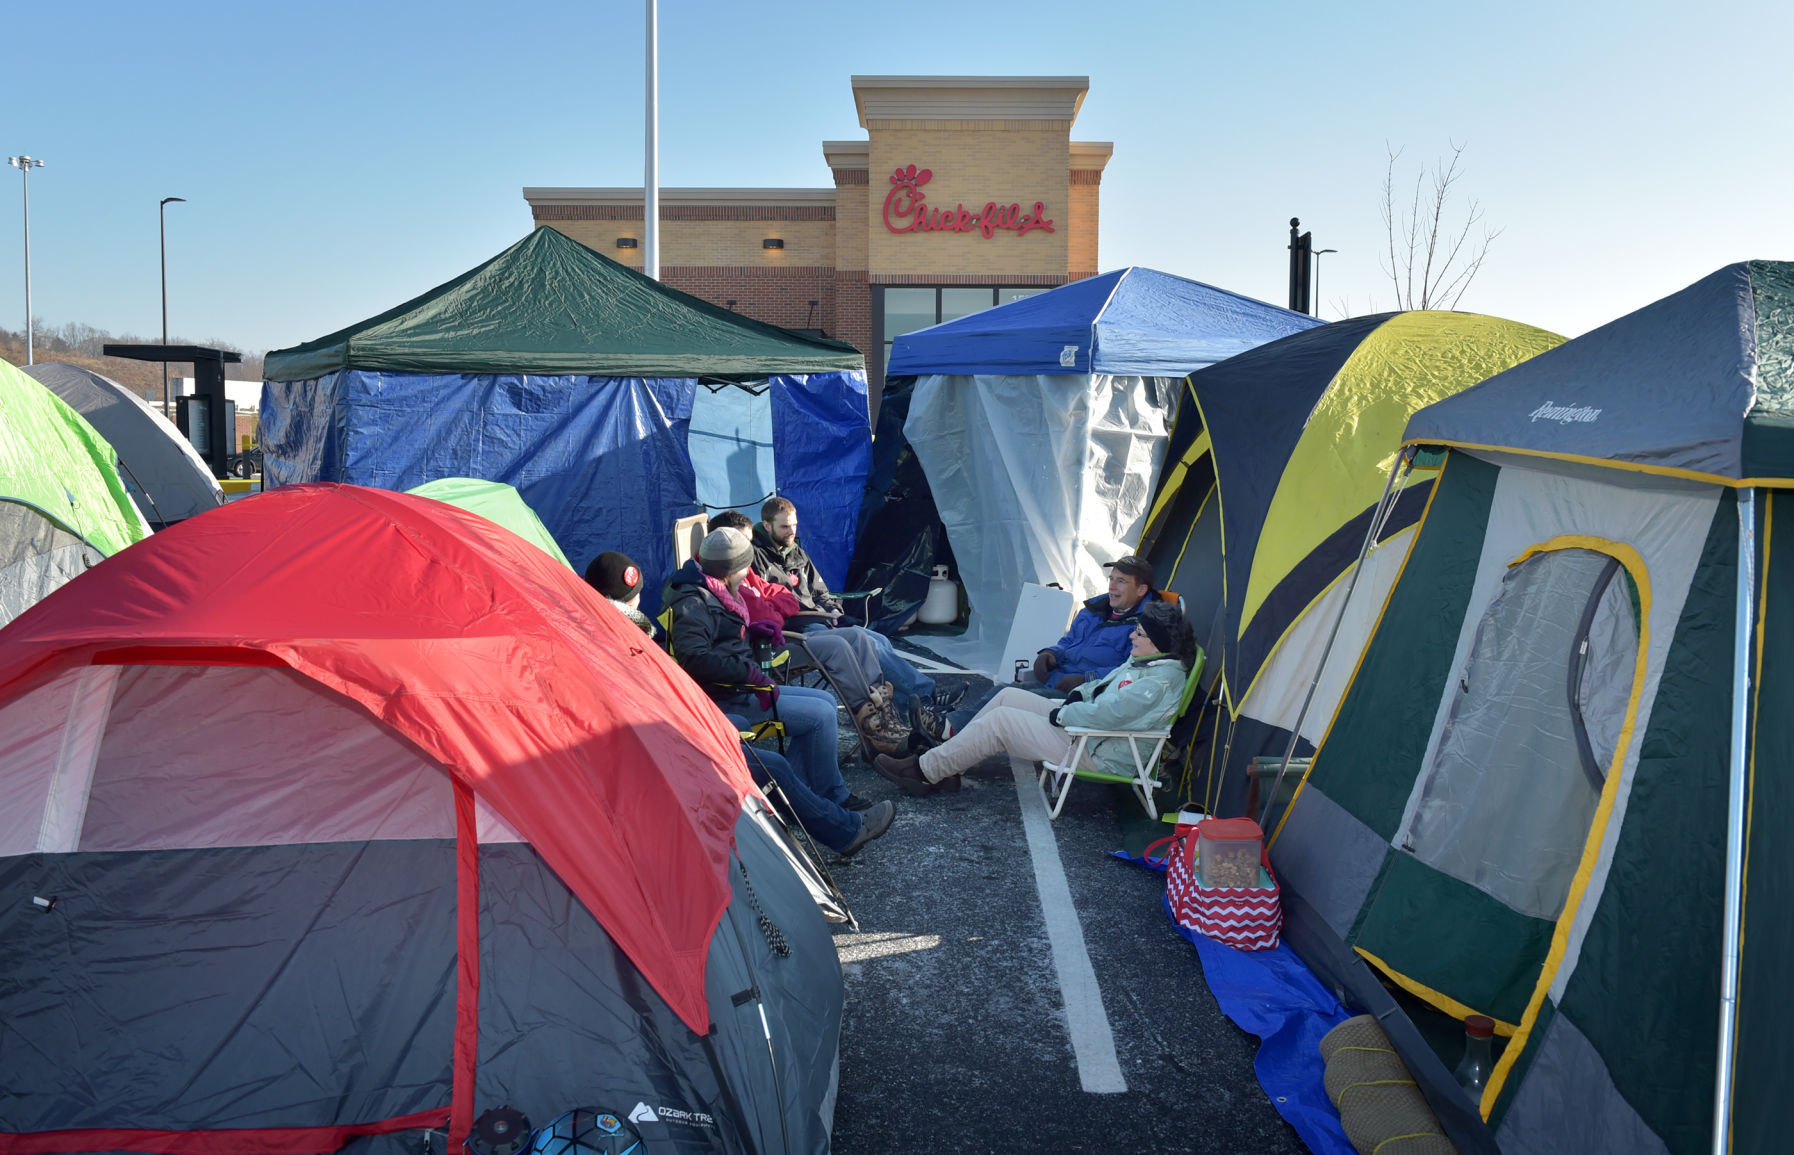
{"x": 558, "y": 371}
{"x": 1557, "y": 788}
{"x": 63, "y": 507}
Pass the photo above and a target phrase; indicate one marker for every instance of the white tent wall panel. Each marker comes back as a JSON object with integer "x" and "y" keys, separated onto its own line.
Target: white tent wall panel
{"x": 31, "y": 746}
{"x": 1664, "y": 519}
{"x": 1037, "y": 479}
{"x": 120, "y": 758}
{"x": 1276, "y": 696}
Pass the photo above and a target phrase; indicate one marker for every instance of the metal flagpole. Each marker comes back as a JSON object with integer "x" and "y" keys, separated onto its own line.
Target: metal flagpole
{"x": 1734, "y": 837}
{"x": 651, "y": 162}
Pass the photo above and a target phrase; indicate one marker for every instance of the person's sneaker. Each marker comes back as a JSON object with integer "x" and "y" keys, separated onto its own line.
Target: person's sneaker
{"x": 875, "y": 822}
{"x": 905, "y": 772}
{"x": 930, "y": 722}
{"x": 945, "y": 701}
{"x": 855, "y": 802}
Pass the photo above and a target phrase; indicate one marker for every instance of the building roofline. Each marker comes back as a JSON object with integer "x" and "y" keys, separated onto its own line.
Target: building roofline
{"x": 968, "y": 97}
{"x": 626, "y": 195}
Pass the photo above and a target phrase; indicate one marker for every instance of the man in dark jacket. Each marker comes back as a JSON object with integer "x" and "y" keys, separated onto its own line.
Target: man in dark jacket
{"x": 781, "y": 560}
{"x": 710, "y": 642}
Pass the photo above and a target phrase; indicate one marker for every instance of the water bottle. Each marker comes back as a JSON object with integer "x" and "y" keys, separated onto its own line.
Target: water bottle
{"x": 1473, "y": 1069}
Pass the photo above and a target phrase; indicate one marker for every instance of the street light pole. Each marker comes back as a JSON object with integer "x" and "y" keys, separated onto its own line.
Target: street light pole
{"x": 1317, "y": 278}
{"x": 25, "y": 164}
{"x": 162, "y": 212}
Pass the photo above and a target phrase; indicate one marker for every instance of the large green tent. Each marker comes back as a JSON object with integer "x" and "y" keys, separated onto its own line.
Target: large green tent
{"x": 576, "y": 380}
{"x": 1275, "y": 466}
{"x": 62, "y": 505}
{"x": 549, "y": 305}
{"x": 1558, "y": 787}
{"x": 496, "y": 502}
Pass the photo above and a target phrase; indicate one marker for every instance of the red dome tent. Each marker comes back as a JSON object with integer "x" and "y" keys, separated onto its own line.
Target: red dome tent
{"x": 255, "y": 705}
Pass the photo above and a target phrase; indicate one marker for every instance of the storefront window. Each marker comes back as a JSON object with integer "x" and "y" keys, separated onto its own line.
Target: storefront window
{"x": 906, "y": 309}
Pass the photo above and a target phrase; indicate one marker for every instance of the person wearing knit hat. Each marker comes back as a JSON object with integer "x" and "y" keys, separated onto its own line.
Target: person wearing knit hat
{"x": 1143, "y": 693}
{"x": 709, "y": 639}
{"x": 618, "y": 578}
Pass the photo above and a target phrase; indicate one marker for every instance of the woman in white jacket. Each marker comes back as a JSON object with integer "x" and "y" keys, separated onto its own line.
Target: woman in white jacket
{"x": 1142, "y": 693}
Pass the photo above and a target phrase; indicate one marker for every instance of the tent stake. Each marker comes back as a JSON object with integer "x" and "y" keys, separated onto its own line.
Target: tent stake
{"x": 1734, "y": 835}
{"x": 1377, "y": 519}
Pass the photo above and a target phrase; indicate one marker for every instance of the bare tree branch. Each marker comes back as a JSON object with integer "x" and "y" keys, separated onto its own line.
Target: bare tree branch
{"x": 1446, "y": 257}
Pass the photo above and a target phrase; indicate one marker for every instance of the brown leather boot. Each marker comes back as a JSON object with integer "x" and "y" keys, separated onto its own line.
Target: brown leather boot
{"x": 869, "y": 720}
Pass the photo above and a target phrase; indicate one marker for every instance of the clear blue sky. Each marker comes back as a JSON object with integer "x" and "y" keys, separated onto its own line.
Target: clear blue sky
{"x": 339, "y": 158}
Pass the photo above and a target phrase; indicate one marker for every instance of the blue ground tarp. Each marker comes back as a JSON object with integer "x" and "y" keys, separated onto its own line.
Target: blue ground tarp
{"x": 1273, "y": 995}
{"x": 1131, "y": 322}
{"x": 604, "y": 461}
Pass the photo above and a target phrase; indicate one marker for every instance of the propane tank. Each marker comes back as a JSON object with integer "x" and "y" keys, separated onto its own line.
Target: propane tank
{"x": 941, "y": 607}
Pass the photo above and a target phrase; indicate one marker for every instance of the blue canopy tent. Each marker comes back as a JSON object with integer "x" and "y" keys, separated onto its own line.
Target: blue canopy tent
{"x": 1039, "y": 427}
{"x": 557, "y": 371}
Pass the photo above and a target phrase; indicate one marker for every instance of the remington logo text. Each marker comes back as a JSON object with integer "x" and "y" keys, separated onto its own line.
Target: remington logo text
{"x": 1564, "y": 413}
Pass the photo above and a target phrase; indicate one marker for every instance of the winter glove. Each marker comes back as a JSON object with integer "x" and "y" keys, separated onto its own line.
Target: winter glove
{"x": 764, "y": 633}
{"x": 1045, "y": 663}
{"x": 1053, "y": 716}
{"x": 1072, "y": 681}
{"x": 767, "y": 696}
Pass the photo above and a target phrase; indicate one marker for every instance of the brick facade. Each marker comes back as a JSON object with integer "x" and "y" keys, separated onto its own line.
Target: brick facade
{"x": 1001, "y": 140}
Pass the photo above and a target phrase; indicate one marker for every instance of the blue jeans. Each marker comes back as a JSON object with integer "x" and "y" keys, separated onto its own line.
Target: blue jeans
{"x": 828, "y": 822}
{"x": 811, "y": 734}
{"x": 906, "y": 681}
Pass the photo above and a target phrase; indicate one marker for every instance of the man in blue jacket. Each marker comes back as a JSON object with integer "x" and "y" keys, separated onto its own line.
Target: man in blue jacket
{"x": 1098, "y": 639}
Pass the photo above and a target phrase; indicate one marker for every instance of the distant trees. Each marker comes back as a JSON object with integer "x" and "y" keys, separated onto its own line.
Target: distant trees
{"x": 1432, "y": 257}
{"x": 81, "y": 343}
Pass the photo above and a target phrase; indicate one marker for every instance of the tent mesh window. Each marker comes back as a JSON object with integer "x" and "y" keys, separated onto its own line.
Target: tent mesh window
{"x": 1532, "y": 728}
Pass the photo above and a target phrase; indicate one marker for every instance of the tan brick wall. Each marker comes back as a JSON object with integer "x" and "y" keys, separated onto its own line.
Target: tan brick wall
{"x": 973, "y": 162}
{"x": 850, "y": 227}
{"x": 1083, "y": 218}
{"x": 709, "y": 243}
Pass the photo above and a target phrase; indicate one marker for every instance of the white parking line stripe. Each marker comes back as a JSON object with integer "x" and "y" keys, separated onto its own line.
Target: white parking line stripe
{"x": 1092, "y": 1042}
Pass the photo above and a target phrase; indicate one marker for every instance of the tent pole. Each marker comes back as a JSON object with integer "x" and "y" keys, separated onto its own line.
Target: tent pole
{"x": 651, "y": 159}
{"x": 1377, "y": 519}
{"x": 1734, "y": 841}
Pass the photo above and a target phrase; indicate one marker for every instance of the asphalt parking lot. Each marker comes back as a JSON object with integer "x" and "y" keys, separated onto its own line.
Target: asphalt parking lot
{"x": 973, "y": 1026}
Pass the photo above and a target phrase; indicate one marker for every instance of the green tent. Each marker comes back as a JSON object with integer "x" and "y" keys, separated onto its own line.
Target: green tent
{"x": 1276, "y": 462}
{"x": 549, "y": 305}
{"x": 63, "y": 507}
{"x": 1558, "y": 787}
{"x": 496, "y": 502}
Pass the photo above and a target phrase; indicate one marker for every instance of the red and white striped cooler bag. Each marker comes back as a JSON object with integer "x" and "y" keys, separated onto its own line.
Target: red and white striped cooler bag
{"x": 1246, "y": 918}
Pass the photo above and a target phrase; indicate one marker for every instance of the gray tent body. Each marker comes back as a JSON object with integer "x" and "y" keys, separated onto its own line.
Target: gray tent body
{"x": 164, "y": 475}
{"x": 320, "y": 974}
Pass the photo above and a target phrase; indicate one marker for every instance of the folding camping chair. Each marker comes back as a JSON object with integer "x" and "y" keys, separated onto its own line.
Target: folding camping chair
{"x": 1144, "y": 779}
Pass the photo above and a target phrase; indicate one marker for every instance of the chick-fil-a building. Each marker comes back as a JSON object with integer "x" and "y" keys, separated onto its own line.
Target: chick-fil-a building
{"x": 967, "y": 192}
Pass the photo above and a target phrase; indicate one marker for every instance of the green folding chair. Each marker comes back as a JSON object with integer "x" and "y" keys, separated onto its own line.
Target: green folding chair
{"x": 1146, "y": 746}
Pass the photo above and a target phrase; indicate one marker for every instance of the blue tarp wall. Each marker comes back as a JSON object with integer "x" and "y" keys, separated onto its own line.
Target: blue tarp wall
{"x": 1133, "y": 322}
{"x": 604, "y": 461}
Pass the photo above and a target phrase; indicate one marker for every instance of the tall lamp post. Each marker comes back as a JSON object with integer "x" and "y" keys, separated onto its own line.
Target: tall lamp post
{"x": 1319, "y": 253}
{"x": 651, "y": 151}
{"x": 162, "y": 212}
{"x": 25, "y": 164}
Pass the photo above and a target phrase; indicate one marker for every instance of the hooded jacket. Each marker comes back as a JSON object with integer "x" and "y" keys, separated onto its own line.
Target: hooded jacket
{"x": 792, "y": 568}
{"x": 1140, "y": 694}
{"x": 709, "y": 638}
{"x": 1097, "y": 641}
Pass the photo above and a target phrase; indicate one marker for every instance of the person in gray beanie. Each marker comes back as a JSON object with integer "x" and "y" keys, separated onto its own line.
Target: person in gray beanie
{"x": 709, "y": 637}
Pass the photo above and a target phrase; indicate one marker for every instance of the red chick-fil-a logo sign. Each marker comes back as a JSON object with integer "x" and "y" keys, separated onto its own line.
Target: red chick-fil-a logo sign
{"x": 906, "y": 211}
